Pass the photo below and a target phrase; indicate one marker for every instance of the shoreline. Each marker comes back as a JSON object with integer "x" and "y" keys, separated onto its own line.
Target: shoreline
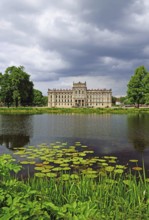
{"x": 43, "y": 110}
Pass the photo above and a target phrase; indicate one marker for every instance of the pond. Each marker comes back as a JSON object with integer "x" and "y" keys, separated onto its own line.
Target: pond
{"x": 125, "y": 136}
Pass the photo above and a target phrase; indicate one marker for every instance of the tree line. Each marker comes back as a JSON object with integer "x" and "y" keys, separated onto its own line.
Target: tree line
{"x": 16, "y": 89}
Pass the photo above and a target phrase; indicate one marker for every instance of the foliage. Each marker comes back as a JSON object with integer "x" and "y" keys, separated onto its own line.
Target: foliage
{"x": 6, "y": 90}
{"x": 16, "y": 87}
{"x": 113, "y": 100}
{"x": 122, "y": 196}
{"x": 39, "y": 99}
{"x": 138, "y": 86}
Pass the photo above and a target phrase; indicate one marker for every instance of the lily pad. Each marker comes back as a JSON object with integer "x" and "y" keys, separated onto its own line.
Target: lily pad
{"x": 137, "y": 168}
{"x": 24, "y": 162}
{"x": 109, "y": 168}
{"x": 51, "y": 175}
{"x": 119, "y": 171}
{"x": 133, "y": 161}
{"x": 39, "y": 175}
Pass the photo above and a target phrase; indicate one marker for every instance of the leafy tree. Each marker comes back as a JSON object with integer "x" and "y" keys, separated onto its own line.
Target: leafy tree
{"x": 113, "y": 100}
{"x": 39, "y": 99}
{"x": 16, "y": 87}
{"x": 6, "y": 90}
{"x": 137, "y": 90}
{"x": 146, "y": 89}
{"x": 45, "y": 100}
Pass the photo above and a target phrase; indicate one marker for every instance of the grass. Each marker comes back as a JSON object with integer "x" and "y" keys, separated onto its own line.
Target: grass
{"x": 108, "y": 197}
{"x": 41, "y": 110}
{"x": 78, "y": 194}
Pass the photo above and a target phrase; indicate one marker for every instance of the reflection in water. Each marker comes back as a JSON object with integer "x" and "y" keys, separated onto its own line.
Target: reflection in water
{"x": 138, "y": 131}
{"x": 14, "y": 141}
{"x": 125, "y": 136}
{"x": 15, "y": 130}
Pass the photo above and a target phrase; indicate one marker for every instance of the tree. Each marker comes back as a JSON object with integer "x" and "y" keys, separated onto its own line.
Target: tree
{"x": 16, "y": 87}
{"x": 39, "y": 99}
{"x": 113, "y": 100}
{"x": 137, "y": 89}
{"x": 6, "y": 90}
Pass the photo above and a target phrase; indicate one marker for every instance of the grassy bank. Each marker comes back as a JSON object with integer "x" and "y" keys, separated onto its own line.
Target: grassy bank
{"x": 112, "y": 197}
{"x": 39, "y": 110}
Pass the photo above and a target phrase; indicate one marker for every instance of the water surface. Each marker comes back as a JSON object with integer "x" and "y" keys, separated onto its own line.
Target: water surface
{"x": 125, "y": 136}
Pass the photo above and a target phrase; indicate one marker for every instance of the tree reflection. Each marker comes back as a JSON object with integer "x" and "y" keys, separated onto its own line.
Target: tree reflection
{"x": 14, "y": 141}
{"x": 138, "y": 127}
{"x": 15, "y": 130}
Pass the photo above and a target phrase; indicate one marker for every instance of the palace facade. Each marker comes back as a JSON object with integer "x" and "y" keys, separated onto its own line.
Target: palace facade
{"x": 79, "y": 96}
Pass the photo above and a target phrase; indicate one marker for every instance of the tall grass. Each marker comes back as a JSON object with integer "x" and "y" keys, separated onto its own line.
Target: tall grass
{"x": 111, "y": 196}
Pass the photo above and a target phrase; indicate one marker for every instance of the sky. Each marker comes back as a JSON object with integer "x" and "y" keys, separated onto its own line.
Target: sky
{"x": 60, "y": 42}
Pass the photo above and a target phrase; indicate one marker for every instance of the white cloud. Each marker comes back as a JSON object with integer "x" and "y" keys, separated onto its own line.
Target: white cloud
{"x": 61, "y": 41}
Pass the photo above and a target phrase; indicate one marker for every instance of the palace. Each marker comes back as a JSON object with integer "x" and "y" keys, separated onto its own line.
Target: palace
{"x": 79, "y": 96}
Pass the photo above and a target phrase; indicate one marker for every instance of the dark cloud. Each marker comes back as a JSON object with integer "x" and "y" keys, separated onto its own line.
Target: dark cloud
{"x": 59, "y": 41}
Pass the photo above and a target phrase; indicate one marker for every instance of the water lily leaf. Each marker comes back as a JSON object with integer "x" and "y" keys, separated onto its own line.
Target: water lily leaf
{"x": 45, "y": 170}
{"x": 82, "y": 154}
{"x": 45, "y": 162}
{"x": 109, "y": 168}
{"x": 104, "y": 164}
{"x": 106, "y": 157}
{"x": 133, "y": 161}
{"x": 24, "y": 162}
{"x": 56, "y": 147}
{"x": 48, "y": 166}
{"x": 76, "y": 162}
{"x": 65, "y": 177}
{"x": 74, "y": 176}
{"x": 31, "y": 157}
{"x": 31, "y": 147}
{"x": 120, "y": 166}
{"x": 57, "y": 169}
{"x": 58, "y": 161}
{"x": 90, "y": 151}
{"x": 147, "y": 180}
{"x": 137, "y": 168}
{"x": 39, "y": 164}
{"x": 39, "y": 174}
{"x": 64, "y": 165}
{"x": 112, "y": 161}
{"x": 101, "y": 160}
{"x": 38, "y": 168}
{"x": 51, "y": 175}
{"x": 119, "y": 171}
{"x": 113, "y": 157}
{"x": 91, "y": 176}
{"x": 32, "y": 162}
{"x": 64, "y": 144}
{"x": 91, "y": 172}
{"x": 19, "y": 152}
